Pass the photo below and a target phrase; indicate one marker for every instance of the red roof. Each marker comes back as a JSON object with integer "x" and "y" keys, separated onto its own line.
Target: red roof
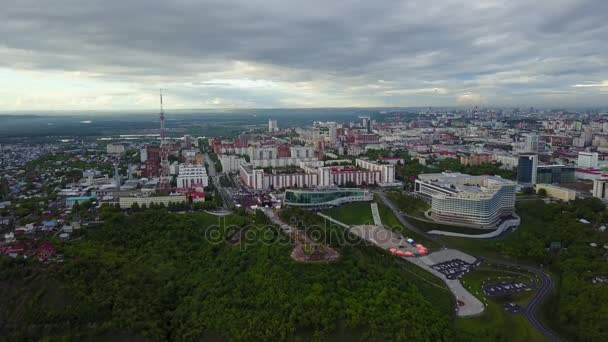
{"x": 197, "y": 194}
{"x": 45, "y": 249}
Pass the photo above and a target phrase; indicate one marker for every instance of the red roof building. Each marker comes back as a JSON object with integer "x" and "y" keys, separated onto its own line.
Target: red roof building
{"x": 45, "y": 251}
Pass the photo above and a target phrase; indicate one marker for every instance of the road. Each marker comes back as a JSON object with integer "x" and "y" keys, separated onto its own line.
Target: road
{"x": 214, "y": 176}
{"x": 531, "y": 310}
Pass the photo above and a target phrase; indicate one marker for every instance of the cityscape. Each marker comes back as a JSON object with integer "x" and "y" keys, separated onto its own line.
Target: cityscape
{"x": 269, "y": 171}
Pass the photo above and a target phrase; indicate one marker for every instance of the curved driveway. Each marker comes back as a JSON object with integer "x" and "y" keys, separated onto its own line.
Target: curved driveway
{"x": 531, "y": 310}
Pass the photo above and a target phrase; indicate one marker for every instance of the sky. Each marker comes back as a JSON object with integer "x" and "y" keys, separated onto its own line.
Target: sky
{"x": 116, "y": 55}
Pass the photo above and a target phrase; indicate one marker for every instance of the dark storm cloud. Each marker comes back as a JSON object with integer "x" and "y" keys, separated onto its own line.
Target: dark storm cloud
{"x": 342, "y": 48}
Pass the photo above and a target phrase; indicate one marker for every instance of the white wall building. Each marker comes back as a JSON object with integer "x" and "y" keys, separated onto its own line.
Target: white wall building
{"x": 191, "y": 176}
{"x": 272, "y": 125}
{"x": 480, "y": 201}
{"x": 231, "y": 163}
{"x": 600, "y": 188}
{"x": 587, "y": 160}
{"x": 387, "y": 171}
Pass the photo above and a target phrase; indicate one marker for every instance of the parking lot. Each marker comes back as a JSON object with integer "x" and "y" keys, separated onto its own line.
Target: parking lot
{"x": 454, "y": 268}
{"x": 512, "y": 308}
{"x": 504, "y": 288}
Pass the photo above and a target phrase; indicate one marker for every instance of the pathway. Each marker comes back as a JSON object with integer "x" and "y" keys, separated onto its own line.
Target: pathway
{"x": 376, "y": 214}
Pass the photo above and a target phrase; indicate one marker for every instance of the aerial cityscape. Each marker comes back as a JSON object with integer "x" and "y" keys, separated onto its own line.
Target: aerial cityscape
{"x": 185, "y": 171}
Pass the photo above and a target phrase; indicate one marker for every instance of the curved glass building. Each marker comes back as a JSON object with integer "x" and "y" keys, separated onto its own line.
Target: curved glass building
{"x": 325, "y": 197}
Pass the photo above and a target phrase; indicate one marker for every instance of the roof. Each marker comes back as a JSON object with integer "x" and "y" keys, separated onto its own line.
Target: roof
{"x": 81, "y": 198}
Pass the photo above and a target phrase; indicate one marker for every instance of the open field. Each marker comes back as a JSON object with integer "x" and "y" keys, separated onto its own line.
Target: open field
{"x": 352, "y": 214}
{"x": 497, "y": 322}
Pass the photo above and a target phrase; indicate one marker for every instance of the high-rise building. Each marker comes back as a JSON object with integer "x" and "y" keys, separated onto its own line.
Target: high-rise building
{"x": 272, "y": 126}
{"x": 527, "y": 168}
{"x": 531, "y": 143}
{"x": 587, "y": 160}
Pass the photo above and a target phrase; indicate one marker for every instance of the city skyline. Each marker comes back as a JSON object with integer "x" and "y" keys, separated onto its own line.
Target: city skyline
{"x": 70, "y": 55}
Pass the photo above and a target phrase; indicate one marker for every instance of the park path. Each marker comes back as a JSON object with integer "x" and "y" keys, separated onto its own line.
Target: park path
{"x": 376, "y": 214}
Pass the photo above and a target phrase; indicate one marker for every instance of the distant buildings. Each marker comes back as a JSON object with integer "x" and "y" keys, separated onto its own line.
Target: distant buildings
{"x": 587, "y": 160}
{"x": 127, "y": 202}
{"x": 272, "y": 126}
{"x": 479, "y": 201}
{"x": 115, "y": 149}
{"x": 531, "y": 143}
{"x": 231, "y": 162}
{"x": 387, "y": 171}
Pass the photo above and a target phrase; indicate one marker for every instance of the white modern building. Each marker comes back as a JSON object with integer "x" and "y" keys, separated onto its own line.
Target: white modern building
{"x": 191, "y": 176}
{"x": 587, "y": 160}
{"x": 478, "y": 201}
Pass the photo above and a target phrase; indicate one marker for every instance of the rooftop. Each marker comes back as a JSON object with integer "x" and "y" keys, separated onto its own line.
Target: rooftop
{"x": 462, "y": 184}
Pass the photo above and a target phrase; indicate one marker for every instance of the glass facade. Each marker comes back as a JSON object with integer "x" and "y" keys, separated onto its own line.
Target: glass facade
{"x": 525, "y": 170}
{"x": 555, "y": 174}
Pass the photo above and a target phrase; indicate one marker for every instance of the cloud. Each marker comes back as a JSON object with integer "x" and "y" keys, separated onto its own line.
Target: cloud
{"x": 603, "y": 84}
{"x": 470, "y": 99}
{"x": 65, "y": 53}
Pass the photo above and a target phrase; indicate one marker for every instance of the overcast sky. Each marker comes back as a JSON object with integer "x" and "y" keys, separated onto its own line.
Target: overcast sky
{"x": 110, "y": 54}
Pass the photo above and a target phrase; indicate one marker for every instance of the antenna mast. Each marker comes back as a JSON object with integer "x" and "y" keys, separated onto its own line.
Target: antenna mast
{"x": 164, "y": 151}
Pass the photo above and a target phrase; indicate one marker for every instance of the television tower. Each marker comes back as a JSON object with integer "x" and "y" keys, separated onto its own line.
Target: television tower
{"x": 164, "y": 151}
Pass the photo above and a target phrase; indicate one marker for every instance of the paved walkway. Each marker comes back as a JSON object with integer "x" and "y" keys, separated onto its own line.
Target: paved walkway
{"x": 376, "y": 214}
{"x": 386, "y": 239}
{"x": 334, "y": 221}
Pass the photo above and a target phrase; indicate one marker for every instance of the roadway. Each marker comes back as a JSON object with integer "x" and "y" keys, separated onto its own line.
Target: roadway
{"x": 215, "y": 178}
{"x": 531, "y": 310}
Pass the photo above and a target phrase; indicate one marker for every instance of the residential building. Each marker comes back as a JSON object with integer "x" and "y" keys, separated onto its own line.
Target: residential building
{"x": 387, "y": 171}
{"x": 587, "y": 160}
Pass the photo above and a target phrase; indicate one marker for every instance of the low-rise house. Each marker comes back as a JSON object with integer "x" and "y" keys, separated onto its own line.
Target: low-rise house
{"x": 45, "y": 251}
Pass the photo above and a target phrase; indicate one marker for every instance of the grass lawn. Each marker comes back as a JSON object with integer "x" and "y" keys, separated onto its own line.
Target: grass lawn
{"x": 493, "y": 248}
{"x": 496, "y": 322}
{"x": 409, "y": 204}
{"x": 353, "y": 213}
{"x": 428, "y": 226}
{"x": 391, "y": 222}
